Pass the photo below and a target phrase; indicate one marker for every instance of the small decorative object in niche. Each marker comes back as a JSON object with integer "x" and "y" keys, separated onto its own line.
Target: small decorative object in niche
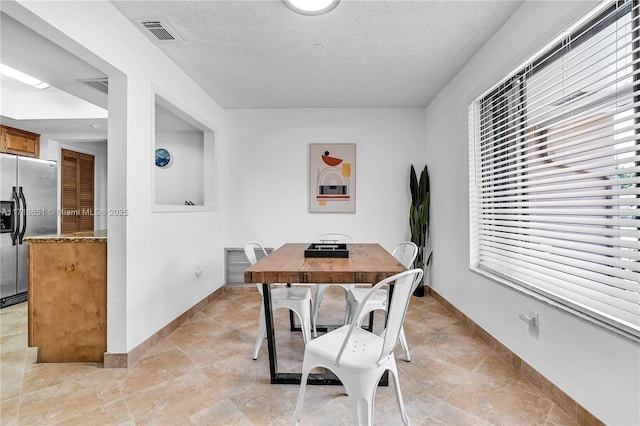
{"x": 163, "y": 157}
{"x": 332, "y": 178}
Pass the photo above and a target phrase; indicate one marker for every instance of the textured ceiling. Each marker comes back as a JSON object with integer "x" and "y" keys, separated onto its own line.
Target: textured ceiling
{"x": 259, "y": 54}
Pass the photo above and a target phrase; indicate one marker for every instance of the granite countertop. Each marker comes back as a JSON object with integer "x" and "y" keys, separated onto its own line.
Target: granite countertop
{"x": 74, "y": 237}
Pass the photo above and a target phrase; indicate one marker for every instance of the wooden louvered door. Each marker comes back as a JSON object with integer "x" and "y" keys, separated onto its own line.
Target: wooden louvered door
{"x": 77, "y": 191}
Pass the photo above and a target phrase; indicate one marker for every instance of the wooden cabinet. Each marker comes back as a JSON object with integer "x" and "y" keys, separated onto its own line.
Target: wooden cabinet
{"x": 20, "y": 142}
{"x": 67, "y": 313}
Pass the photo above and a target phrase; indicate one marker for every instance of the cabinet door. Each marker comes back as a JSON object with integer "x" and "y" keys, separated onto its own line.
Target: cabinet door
{"x": 67, "y": 311}
{"x": 20, "y": 142}
{"x": 77, "y": 174}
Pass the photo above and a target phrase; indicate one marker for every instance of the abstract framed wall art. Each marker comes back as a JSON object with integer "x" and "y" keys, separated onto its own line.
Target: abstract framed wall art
{"x": 332, "y": 178}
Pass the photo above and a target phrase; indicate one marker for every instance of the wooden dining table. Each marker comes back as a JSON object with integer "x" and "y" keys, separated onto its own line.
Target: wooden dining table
{"x": 367, "y": 263}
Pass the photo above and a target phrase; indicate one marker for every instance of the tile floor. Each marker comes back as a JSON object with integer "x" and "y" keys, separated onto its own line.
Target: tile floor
{"x": 203, "y": 374}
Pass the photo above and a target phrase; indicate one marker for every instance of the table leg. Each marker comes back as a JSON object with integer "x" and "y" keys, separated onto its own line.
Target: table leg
{"x": 271, "y": 338}
{"x": 292, "y": 321}
{"x": 326, "y": 378}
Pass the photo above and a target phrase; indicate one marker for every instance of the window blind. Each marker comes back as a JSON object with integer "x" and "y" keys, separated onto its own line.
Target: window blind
{"x": 555, "y": 170}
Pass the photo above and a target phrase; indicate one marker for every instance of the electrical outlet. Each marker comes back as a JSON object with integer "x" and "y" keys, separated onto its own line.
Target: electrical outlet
{"x": 199, "y": 271}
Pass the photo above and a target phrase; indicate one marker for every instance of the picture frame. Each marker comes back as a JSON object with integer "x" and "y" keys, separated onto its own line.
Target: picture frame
{"x": 332, "y": 178}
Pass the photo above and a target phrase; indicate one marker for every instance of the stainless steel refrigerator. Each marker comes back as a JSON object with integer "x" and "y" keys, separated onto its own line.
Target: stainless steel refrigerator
{"x": 28, "y": 206}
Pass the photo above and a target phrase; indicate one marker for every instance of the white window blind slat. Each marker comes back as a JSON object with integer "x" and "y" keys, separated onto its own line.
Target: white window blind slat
{"x": 590, "y": 155}
{"x": 569, "y": 211}
{"x": 569, "y": 220}
{"x": 559, "y": 109}
{"x": 581, "y": 140}
{"x": 601, "y": 198}
{"x": 571, "y": 170}
{"x": 582, "y": 122}
{"x": 572, "y": 229}
{"x": 584, "y": 262}
{"x": 551, "y": 113}
{"x": 562, "y": 238}
{"x": 498, "y": 231}
{"x": 555, "y": 171}
{"x": 557, "y": 183}
{"x": 607, "y": 74}
{"x": 553, "y": 108}
{"x": 626, "y": 291}
{"x": 603, "y": 52}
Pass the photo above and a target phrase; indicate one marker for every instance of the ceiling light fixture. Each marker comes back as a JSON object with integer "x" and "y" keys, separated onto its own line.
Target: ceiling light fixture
{"x": 311, "y": 7}
{"x": 22, "y": 77}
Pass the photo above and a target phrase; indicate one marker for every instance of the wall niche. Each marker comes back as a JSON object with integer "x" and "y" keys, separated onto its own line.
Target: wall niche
{"x": 184, "y": 160}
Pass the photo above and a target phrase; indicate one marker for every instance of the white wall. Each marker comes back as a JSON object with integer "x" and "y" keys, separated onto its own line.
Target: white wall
{"x": 598, "y": 369}
{"x": 266, "y": 172}
{"x": 182, "y": 179}
{"x": 152, "y": 262}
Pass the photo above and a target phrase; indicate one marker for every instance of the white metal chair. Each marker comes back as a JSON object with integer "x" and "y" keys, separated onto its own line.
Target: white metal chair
{"x": 406, "y": 253}
{"x": 320, "y": 288}
{"x": 296, "y": 299}
{"x": 359, "y": 358}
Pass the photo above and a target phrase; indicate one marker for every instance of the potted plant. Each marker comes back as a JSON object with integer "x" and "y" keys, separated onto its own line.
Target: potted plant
{"x": 419, "y": 221}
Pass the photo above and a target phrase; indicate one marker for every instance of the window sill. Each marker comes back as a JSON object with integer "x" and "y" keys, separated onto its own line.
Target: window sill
{"x": 546, "y": 300}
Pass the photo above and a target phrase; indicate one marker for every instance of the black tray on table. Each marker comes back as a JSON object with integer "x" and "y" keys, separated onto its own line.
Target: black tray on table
{"x": 331, "y": 250}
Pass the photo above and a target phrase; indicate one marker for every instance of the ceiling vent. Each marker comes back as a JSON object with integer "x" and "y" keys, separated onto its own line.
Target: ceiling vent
{"x": 101, "y": 84}
{"x": 159, "y": 30}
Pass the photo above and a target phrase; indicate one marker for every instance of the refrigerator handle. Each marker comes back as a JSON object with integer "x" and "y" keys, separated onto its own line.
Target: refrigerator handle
{"x": 16, "y": 216}
{"x": 24, "y": 216}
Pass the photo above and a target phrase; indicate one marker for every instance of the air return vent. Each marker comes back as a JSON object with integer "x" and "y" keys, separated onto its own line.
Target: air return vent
{"x": 160, "y": 30}
{"x": 236, "y": 262}
{"x": 101, "y": 84}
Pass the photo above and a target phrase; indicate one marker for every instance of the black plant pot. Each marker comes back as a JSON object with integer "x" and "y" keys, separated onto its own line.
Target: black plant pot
{"x": 419, "y": 291}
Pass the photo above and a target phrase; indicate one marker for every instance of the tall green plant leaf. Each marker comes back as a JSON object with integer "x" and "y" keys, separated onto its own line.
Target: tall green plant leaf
{"x": 425, "y": 212}
{"x": 422, "y": 188}
{"x": 427, "y": 184}
{"x": 413, "y": 185}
